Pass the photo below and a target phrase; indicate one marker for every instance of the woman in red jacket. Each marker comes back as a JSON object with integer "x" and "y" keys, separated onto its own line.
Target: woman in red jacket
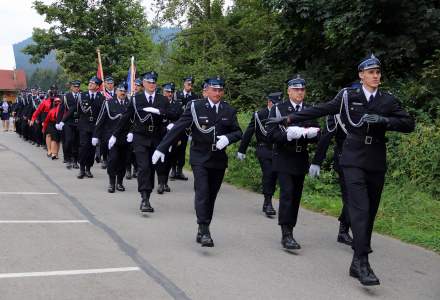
{"x": 50, "y": 130}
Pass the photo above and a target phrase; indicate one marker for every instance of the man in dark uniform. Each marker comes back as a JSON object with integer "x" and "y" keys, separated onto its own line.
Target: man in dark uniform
{"x": 291, "y": 158}
{"x": 368, "y": 114}
{"x": 263, "y": 150}
{"x": 109, "y": 93}
{"x": 148, "y": 109}
{"x": 214, "y": 126}
{"x": 108, "y": 119}
{"x": 70, "y": 127}
{"x": 174, "y": 112}
{"x": 88, "y": 108}
{"x": 138, "y": 88}
{"x": 184, "y": 96}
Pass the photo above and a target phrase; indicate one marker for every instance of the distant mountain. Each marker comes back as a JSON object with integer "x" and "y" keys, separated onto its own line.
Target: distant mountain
{"x": 22, "y": 60}
{"x": 49, "y": 62}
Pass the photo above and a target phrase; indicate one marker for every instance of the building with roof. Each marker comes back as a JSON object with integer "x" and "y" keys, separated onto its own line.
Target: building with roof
{"x": 11, "y": 82}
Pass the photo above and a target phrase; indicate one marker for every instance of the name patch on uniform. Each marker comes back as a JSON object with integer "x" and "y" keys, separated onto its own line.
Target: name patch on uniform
{"x": 203, "y": 117}
{"x": 225, "y": 119}
{"x": 357, "y": 103}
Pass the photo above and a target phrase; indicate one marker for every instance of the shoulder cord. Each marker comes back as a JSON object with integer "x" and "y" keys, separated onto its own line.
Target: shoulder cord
{"x": 82, "y": 107}
{"x": 101, "y": 112}
{"x": 336, "y": 123}
{"x": 278, "y": 115}
{"x": 196, "y": 122}
{"x": 142, "y": 120}
{"x": 260, "y": 125}
{"x": 347, "y": 112}
{"x": 65, "y": 102}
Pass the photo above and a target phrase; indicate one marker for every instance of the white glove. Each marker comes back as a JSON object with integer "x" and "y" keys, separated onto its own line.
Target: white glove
{"x": 151, "y": 110}
{"x": 156, "y": 156}
{"x": 190, "y": 138}
{"x": 170, "y": 148}
{"x": 241, "y": 156}
{"x": 95, "y": 141}
{"x": 314, "y": 170}
{"x": 170, "y": 126}
{"x": 222, "y": 142}
{"x": 111, "y": 142}
{"x": 130, "y": 137}
{"x": 57, "y": 126}
{"x": 312, "y": 132}
{"x": 60, "y": 126}
{"x": 294, "y": 132}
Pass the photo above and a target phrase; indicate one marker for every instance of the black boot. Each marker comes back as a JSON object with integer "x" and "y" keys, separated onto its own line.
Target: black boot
{"x": 166, "y": 188}
{"x": 287, "y": 239}
{"x": 111, "y": 186}
{"x": 104, "y": 164}
{"x": 88, "y": 173}
{"x": 360, "y": 269}
{"x": 120, "y": 186}
{"x": 205, "y": 236}
{"x": 82, "y": 172}
{"x": 69, "y": 165}
{"x": 343, "y": 235}
{"x": 267, "y": 206}
{"x": 160, "y": 185}
{"x": 128, "y": 173}
{"x": 173, "y": 173}
{"x": 75, "y": 165}
{"x": 135, "y": 173}
{"x": 180, "y": 175}
{"x": 145, "y": 204}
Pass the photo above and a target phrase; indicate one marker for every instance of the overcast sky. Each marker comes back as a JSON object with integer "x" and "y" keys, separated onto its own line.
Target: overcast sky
{"x": 18, "y": 18}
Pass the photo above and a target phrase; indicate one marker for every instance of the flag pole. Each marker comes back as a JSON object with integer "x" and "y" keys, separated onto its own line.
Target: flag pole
{"x": 133, "y": 74}
{"x": 100, "y": 64}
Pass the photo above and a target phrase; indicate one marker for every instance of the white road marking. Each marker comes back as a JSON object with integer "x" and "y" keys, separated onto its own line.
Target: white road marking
{"x": 67, "y": 272}
{"x": 42, "y": 221}
{"x": 26, "y": 193}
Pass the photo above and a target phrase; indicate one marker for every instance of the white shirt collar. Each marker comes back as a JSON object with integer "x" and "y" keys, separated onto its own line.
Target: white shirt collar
{"x": 295, "y": 104}
{"x": 212, "y": 104}
{"x": 368, "y": 94}
{"x": 185, "y": 93}
{"x": 148, "y": 95}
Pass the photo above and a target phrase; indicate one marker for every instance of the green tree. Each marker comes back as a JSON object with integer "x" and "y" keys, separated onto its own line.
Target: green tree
{"x": 78, "y": 27}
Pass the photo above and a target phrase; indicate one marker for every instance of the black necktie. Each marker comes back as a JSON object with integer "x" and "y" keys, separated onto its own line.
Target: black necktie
{"x": 150, "y": 99}
{"x": 371, "y": 98}
{"x": 297, "y": 107}
{"x": 76, "y": 97}
{"x": 92, "y": 97}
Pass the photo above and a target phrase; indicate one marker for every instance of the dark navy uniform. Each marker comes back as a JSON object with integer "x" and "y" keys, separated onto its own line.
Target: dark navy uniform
{"x": 147, "y": 131}
{"x": 264, "y": 148}
{"x": 363, "y": 158}
{"x": 178, "y": 161}
{"x": 70, "y": 128}
{"x": 291, "y": 162}
{"x": 335, "y": 129}
{"x": 207, "y": 161}
{"x": 88, "y": 108}
{"x": 118, "y": 155}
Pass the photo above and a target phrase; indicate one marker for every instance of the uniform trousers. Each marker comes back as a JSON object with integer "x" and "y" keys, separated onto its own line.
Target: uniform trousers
{"x": 71, "y": 142}
{"x": 269, "y": 179}
{"x": 86, "y": 149}
{"x": 344, "y": 216}
{"x": 364, "y": 189}
{"x": 291, "y": 187}
{"x": 207, "y": 182}
{"x": 118, "y": 156}
{"x": 145, "y": 176}
{"x": 180, "y": 152}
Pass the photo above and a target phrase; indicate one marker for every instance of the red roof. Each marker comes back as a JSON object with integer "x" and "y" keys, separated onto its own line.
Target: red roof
{"x": 12, "y": 80}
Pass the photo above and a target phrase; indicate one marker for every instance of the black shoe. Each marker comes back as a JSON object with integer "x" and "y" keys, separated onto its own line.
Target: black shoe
{"x": 180, "y": 175}
{"x": 205, "y": 236}
{"x": 128, "y": 175}
{"x": 81, "y": 174}
{"x": 287, "y": 239}
{"x": 145, "y": 204}
{"x": 135, "y": 174}
{"x": 360, "y": 269}
{"x": 345, "y": 238}
{"x": 65, "y": 161}
{"x": 89, "y": 174}
{"x": 54, "y": 157}
{"x": 270, "y": 211}
{"x": 68, "y": 165}
{"x": 166, "y": 188}
{"x": 75, "y": 165}
{"x": 104, "y": 164}
{"x": 160, "y": 188}
{"x": 111, "y": 188}
{"x": 97, "y": 159}
{"x": 173, "y": 173}
{"x": 120, "y": 187}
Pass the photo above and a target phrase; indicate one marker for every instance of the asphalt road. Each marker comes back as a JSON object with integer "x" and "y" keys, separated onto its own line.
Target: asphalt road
{"x": 64, "y": 238}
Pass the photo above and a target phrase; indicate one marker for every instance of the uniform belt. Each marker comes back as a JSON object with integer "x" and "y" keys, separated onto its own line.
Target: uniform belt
{"x": 264, "y": 144}
{"x": 295, "y": 148}
{"x": 367, "y": 139}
